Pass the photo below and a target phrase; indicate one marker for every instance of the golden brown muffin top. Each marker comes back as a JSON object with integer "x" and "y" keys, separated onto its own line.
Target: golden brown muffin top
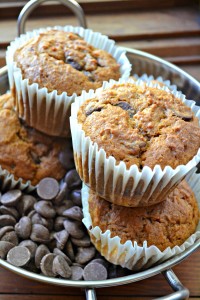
{"x": 65, "y": 62}
{"x": 166, "y": 224}
{"x": 141, "y": 125}
{"x": 25, "y": 152}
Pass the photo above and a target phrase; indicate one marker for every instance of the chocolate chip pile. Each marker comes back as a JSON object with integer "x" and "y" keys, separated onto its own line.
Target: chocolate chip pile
{"x": 43, "y": 232}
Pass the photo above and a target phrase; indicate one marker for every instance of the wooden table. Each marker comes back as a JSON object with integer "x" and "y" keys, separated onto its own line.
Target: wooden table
{"x": 172, "y": 33}
{"x": 188, "y": 272}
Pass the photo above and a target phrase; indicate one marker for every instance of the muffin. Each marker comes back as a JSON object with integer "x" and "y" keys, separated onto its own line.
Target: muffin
{"x": 133, "y": 143}
{"x": 26, "y": 153}
{"x": 50, "y": 67}
{"x": 135, "y": 237}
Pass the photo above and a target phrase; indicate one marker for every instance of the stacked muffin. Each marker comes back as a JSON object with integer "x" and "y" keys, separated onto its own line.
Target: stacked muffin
{"x": 133, "y": 144}
{"x": 47, "y": 68}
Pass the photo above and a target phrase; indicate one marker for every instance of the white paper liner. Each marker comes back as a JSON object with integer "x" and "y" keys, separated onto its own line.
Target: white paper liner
{"x": 8, "y": 182}
{"x": 156, "y": 81}
{"x": 49, "y": 112}
{"x": 116, "y": 183}
{"x": 131, "y": 255}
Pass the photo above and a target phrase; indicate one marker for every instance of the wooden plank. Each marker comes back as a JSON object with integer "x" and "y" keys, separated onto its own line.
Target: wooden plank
{"x": 130, "y": 26}
{"x": 68, "y": 297}
{"x": 167, "y": 47}
{"x": 12, "y": 9}
{"x": 64, "y": 297}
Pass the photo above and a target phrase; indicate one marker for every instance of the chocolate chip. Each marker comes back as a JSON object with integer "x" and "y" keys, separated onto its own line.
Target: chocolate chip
{"x": 61, "y": 267}
{"x": 83, "y": 242}
{"x": 69, "y": 250}
{"x": 58, "y": 223}
{"x": 40, "y": 234}
{"x": 38, "y": 219}
{"x": 11, "y": 237}
{"x": 48, "y": 188}
{"x": 46, "y": 265}
{"x": 5, "y": 229}
{"x": 72, "y": 179}
{"x": 73, "y": 63}
{"x": 127, "y": 107}
{"x": 61, "y": 195}
{"x": 77, "y": 273}
{"x": 61, "y": 238}
{"x": 31, "y": 213}
{"x": 92, "y": 109}
{"x": 7, "y": 220}
{"x": 74, "y": 213}
{"x": 23, "y": 228}
{"x": 95, "y": 271}
{"x": 65, "y": 205}
{"x": 18, "y": 256}
{"x": 11, "y": 198}
{"x": 26, "y": 204}
{"x": 4, "y": 248}
{"x": 84, "y": 255}
{"x": 41, "y": 251}
{"x": 75, "y": 228}
{"x": 101, "y": 261}
{"x": 4, "y": 210}
{"x": 67, "y": 160}
{"x": 59, "y": 252}
{"x": 30, "y": 245}
{"x": 45, "y": 209}
{"x": 75, "y": 196}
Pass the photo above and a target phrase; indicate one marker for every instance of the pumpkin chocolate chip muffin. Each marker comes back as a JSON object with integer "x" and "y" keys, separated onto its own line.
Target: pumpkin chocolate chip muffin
{"x": 25, "y": 152}
{"x": 163, "y": 225}
{"x": 129, "y": 138}
{"x": 65, "y": 62}
{"x": 141, "y": 125}
{"x": 48, "y": 68}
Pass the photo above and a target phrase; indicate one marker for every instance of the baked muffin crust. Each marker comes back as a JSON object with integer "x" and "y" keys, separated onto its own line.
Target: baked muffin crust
{"x": 141, "y": 125}
{"x": 65, "y": 62}
{"x": 166, "y": 224}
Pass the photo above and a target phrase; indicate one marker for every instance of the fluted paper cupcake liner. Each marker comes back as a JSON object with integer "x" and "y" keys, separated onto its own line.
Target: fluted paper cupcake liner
{"x": 157, "y": 81}
{"x": 8, "y": 182}
{"x": 48, "y": 111}
{"x": 114, "y": 182}
{"x": 130, "y": 255}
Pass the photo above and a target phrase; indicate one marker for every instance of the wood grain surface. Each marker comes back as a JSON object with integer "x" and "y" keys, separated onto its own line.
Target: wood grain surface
{"x": 188, "y": 272}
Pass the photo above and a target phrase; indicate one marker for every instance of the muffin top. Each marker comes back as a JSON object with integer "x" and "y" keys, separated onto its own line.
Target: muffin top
{"x": 25, "y": 152}
{"x": 65, "y": 62}
{"x": 141, "y": 125}
{"x": 166, "y": 224}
